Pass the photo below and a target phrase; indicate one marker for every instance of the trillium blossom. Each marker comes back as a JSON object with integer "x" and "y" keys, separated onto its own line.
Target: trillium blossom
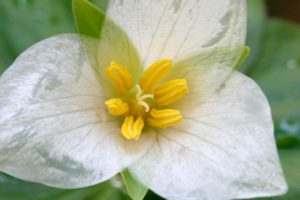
{"x": 161, "y": 98}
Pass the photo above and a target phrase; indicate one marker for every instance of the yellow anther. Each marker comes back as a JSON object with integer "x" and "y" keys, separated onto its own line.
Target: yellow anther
{"x": 120, "y": 77}
{"x": 145, "y": 104}
{"x": 170, "y": 92}
{"x": 132, "y": 129}
{"x": 154, "y": 74}
{"x": 117, "y": 107}
{"x": 164, "y": 118}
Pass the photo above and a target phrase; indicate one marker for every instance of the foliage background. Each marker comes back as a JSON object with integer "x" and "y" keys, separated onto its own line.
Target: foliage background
{"x": 274, "y": 63}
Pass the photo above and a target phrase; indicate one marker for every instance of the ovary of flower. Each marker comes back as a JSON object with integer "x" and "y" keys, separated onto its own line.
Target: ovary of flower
{"x": 144, "y": 103}
{"x": 140, "y": 97}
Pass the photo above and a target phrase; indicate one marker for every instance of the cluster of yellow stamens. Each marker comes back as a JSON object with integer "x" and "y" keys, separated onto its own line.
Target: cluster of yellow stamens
{"x": 145, "y": 102}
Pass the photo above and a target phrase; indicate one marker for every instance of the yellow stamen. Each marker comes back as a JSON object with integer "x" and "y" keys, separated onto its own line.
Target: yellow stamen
{"x": 117, "y": 107}
{"x": 164, "y": 118}
{"x": 170, "y": 92}
{"x": 154, "y": 74}
{"x": 120, "y": 77}
{"x": 146, "y": 103}
{"x": 132, "y": 129}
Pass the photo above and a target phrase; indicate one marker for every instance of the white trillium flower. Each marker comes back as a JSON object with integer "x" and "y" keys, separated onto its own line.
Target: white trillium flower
{"x": 187, "y": 127}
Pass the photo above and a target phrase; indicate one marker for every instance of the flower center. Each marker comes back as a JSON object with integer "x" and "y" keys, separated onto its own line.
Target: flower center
{"x": 146, "y": 102}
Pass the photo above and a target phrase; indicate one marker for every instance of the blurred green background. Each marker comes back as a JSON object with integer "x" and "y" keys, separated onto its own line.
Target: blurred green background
{"x": 273, "y": 35}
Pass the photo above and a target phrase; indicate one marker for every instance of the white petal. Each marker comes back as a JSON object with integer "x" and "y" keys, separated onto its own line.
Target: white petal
{"x": 223, "y": 149}
{"x": 50, "y": 131}
{"x": 176, "y": 28}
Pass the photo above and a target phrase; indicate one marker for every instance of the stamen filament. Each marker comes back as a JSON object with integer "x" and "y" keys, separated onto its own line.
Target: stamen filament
{"x": 145, "y": 105}
{"x": 146, "y": 96}
{"x": 141, "y": 97}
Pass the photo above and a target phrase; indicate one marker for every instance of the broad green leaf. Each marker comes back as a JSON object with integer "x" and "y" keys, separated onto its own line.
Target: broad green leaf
{"x": 255, "y": 29}
{"x": 291, "y": 165}
{"x": 14, "y": 189}
{"x": 286, "y": 141}
{"x": 277, "y": 71}
{"x": 102, "y": 4}
{"x": 152, "y": 196}
{"x": 25, "y": 22}
{"x": 135, "y": 189}
{"x": 88, "y": 18}
{"x": 282, "y": 88}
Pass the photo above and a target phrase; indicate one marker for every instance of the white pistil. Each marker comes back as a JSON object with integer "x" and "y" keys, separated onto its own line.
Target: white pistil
{"x": 140, "y": 97}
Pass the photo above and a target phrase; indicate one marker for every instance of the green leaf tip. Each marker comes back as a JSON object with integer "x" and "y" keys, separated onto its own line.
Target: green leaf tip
{"x": 244, "y": 56}
{"x": 135, "y": 189}
{"x": 88, "y": 18}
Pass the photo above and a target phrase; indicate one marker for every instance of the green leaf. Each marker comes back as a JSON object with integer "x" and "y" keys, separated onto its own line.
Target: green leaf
{"x": 88, "y": 18}
{"x": 286, "y": 141}
{"x": 102, "y": 4}
{"x": 25, "y": 22}
{"x": 14, "y": 189}
{"x": 291, "y": 167}
{"x": 135, "y": 189}
{"x": 256, "y": 24}
{"x": 277, "y": 71}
